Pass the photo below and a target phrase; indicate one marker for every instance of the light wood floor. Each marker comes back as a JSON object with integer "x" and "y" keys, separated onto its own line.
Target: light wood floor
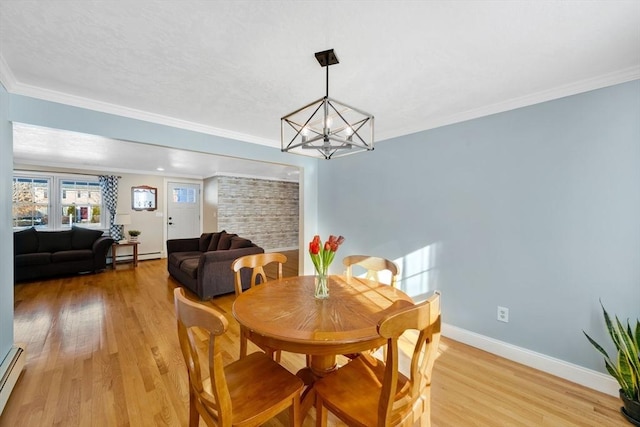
{"x": 102, "y": 350}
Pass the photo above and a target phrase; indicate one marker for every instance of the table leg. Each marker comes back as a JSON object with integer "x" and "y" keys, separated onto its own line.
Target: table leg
{"x": 307, "y": 401}
{"x": 135, "y": 255}
{"x": 318, "y": 367}
{"x": 114, "y": 251}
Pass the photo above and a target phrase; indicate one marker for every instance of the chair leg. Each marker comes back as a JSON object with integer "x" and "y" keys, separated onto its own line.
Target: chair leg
{"x": 321, "y": 412}
{"x": 273, "y": 354}
{"x": 294, "y": 413}
{"x": 194, "y": 416}
{"x": 243, "y": 345}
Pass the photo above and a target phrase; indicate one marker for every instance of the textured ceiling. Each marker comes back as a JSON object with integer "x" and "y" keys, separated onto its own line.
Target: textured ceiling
{"x": 233, "y": 68}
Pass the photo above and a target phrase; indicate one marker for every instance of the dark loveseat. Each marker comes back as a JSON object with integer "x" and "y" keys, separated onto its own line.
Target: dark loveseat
{"x": 203, "y": 264}
{"x": 40, "y": 254}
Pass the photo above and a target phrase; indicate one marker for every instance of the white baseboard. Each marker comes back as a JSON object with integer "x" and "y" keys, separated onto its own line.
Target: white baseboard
{"x": 568, "y": 371}
{"x": 292, "y": 248}
{"x": 10, "y": 371}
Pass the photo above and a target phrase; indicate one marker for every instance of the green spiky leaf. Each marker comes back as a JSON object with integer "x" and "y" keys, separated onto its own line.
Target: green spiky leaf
{"x": 626, "y": 375}
{"x": 626, "y": 368}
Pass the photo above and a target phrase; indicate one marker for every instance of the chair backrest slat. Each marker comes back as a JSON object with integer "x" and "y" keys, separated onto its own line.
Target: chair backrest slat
{"x": 424, "y": 317}
{"x": 373, "y": 265}
{"x": 256, "y": 262}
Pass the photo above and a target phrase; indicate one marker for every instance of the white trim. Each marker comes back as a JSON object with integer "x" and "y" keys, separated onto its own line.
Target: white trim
{"x": 7, "y": 79}
{"x": 10, "y": 371}
{"x": 251, "y": 176}
{"x": 291, "y": 248}
{"x": 568, "y": 371}
{"x": 586, "y": 85}
{"x": 13, "y": 86}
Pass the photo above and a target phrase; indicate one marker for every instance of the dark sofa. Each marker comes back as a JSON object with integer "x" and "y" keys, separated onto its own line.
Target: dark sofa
{"x": 203, "y": 264}
{"x": 39, "y": 254}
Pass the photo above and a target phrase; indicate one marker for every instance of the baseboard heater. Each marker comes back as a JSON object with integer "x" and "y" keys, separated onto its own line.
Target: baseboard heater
{"x": 10, "y": 369}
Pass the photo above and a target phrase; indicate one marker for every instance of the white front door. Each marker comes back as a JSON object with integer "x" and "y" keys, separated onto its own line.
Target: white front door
{"x": 183, "y": 210}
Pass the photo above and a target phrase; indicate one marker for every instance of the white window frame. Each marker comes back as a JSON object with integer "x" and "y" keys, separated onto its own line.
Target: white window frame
{"x": 54, "y": 222}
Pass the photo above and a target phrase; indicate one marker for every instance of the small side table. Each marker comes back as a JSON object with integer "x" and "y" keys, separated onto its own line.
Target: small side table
{"x": 114, "y": 250}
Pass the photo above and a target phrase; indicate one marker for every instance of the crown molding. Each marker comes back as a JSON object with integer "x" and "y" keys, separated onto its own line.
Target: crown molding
{"x": 10, "y": 83}
{"x": 251, "y": 176}
{"x": 7, "y": 79}
{"x": 14, "y": 86}
{"x": 582, "y": 86}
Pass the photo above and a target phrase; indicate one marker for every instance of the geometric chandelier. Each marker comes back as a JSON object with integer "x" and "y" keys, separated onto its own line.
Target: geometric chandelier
{"x": 326, "y": 128}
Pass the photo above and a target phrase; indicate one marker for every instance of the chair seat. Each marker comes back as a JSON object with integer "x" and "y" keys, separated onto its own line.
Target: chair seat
{"x": 362, "y": 377}
{"x": 254, "y": 399}
{"x": 244, "y": 393}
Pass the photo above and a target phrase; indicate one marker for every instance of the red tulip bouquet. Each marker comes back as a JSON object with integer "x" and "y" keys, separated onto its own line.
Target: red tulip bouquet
{"x": 322, "y": 256}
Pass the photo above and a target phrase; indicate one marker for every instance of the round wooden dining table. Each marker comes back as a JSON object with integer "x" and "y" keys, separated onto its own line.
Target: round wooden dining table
{"x": 284, "y": 314}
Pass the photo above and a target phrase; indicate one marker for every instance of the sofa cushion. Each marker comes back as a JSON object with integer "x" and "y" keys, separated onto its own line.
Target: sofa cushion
{"x": 190, "y": 266}
{"x": 36, "y": 258}
{"x": 83, "y": 238}
{"x": 177, "y": 258}
{"x": 25, "y": 241}
{"x": 239, "y": 242}
{"x": 54, "y": 241}
{"x": 203, "y": 242}
{"x": 72, "y": 255}
{"x": 215, "y": 241}
{"x": 225, "y": 241}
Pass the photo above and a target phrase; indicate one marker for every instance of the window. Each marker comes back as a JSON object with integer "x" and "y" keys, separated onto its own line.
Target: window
{"x": 57, "y": 202}
{"x": 80, "y": 202}
{"x": 31, "y": 202}
{"x": 184, "y": 195}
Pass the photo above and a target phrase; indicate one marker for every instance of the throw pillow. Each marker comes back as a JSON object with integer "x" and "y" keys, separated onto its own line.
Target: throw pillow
{"x": 215, "y": 239}
{"x": 203, "y": 243}
{"x": 83, "y": 238}
{"x": 25, "y": 241}
{"x": 225, "y": 241}
{"x": 239, "y": 242}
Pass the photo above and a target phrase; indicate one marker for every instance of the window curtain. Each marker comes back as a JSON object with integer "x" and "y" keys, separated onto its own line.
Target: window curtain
{"x": 109, "y": 187}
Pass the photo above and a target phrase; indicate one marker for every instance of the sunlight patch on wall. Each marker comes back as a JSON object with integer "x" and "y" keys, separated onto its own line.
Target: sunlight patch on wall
{"x": 418, "y": 272}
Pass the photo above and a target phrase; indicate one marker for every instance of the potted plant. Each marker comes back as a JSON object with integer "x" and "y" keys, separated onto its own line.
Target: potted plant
{"x": 625, "y": 368}
{"x": 133, "y": 235}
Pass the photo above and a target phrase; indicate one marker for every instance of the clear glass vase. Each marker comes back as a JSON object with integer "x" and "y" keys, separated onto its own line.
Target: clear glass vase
{"x": 322, "y": 287}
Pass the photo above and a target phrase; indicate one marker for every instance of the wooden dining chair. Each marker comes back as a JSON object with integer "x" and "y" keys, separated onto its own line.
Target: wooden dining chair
{"x": 247, "y": 392}
{"x": 373, "y": 265}
{"x": 367, "y": 392}
{"x": 256, "y": 262}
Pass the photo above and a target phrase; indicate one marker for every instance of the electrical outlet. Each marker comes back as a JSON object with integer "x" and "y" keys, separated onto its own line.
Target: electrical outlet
{"x": 503, "y": 314}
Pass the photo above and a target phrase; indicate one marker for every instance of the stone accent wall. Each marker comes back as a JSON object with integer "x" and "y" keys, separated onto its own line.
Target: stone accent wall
{"x": 265, "y": 211}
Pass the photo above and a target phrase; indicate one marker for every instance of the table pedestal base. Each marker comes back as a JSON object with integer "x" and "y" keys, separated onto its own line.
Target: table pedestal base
{"x": 318, "y": 367}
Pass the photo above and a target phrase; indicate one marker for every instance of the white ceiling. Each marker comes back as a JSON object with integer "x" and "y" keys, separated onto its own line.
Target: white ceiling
{"x": 39, "y": 146}
{"x": 233, "y": 68}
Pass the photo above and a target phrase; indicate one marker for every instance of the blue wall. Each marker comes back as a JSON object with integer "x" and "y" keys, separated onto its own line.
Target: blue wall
{"x": 6, "y": 237}
{"x": 16, "y": 108}
{"x": 535, "y": 209}
{"x": 49, "y": 114}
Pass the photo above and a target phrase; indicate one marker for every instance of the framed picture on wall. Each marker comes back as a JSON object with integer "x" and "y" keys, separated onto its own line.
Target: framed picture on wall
{"x": 144, "y": 198}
